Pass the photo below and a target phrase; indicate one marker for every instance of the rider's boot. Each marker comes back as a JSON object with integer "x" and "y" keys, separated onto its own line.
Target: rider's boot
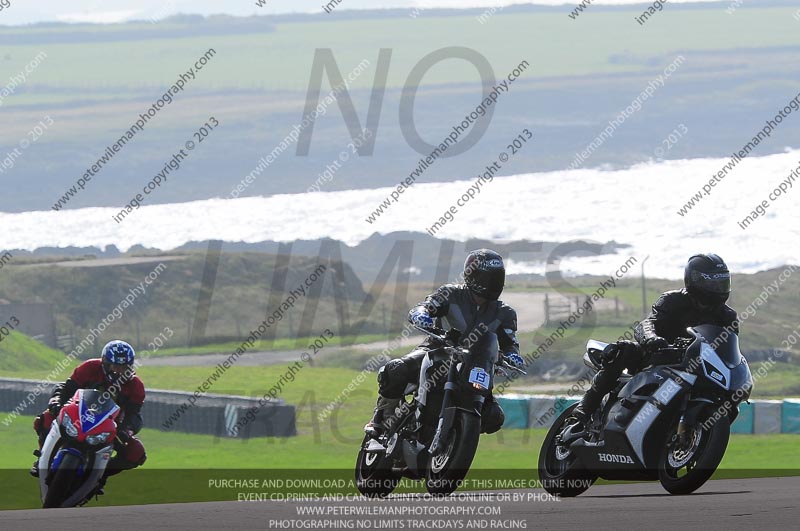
{"x": 100, "y": 489}
{"x": 115, "y": 465}
{"x": 589, "y": 402}
{"x": 383, "y": 408}
{"x": 576, "y": 424}
{"x": 34, "y": 471}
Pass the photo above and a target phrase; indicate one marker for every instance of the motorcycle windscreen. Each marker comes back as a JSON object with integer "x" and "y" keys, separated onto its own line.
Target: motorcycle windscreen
{"x": 479, "y": 366}
{"x": 724, "y": 342}
{"x": 741, "y": 382}
{"x": 95, "y": 407}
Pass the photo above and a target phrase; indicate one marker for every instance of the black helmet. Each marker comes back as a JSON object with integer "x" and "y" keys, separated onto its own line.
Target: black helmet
{"x": 707, "y": 279}
{"x": 485, "y": 273}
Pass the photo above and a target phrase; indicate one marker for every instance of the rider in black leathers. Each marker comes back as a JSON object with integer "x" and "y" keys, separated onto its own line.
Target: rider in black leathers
{"x": 707, "y": 287}
{"x": 471, "y": 308}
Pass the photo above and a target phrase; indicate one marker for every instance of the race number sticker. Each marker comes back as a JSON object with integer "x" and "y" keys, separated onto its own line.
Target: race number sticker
{"x": 479, "y": 377}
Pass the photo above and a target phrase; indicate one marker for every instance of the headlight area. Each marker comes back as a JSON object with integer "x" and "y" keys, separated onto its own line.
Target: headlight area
{"x": 69, "y": 427}
{"x": 100, "y": 438}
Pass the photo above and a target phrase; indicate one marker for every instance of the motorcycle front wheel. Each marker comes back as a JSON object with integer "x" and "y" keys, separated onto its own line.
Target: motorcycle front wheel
{"x": 447, "y": 470}
{"x": 59, "y": 489}
{"x": 684, "y": 467}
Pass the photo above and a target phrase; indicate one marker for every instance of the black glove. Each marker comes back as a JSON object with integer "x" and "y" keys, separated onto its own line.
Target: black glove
{"x": 452, "y": 336}
{"x": 54, "y": 406}
{"x": 124, "y": 436}
{"x": 610, "y": 353}
{"x": 655, "y": 343}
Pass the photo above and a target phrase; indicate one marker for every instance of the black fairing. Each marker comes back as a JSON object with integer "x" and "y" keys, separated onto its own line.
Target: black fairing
{"x": 633, "y": 396}
{"x": 741, "y": 382}
{"x": 726, "y": 346}
{"x": 725, "y": 343}
{"x": 633, "y": 437}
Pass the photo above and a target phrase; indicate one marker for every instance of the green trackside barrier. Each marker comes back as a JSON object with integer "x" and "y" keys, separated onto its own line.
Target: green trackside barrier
{"x": 790, "y": 418}
{"x": 563, "y": 402}
{"x": 516, "y": 409}
{"x": 744, "y": 422}
{"x": 767, "y": 416}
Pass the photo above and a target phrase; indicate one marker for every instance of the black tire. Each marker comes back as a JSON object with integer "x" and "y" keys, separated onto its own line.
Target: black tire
{"x": 560, "y": 472}
{"x": 59, "y": 489}
{"x": 701, "y": 460}
{"x": 445, "y": 472}
{"x": 374, "y": 475}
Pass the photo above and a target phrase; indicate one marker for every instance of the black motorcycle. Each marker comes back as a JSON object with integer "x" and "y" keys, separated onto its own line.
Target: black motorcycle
{"x": 433, "y": 434}
{"x": 670, "y": 422}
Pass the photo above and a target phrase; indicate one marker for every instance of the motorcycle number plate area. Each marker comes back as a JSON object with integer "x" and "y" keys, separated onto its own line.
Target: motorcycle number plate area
{"x": 479, "y": 377}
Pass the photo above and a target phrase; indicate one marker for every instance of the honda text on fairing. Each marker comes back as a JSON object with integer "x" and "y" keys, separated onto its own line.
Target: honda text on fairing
{"x": 670, "y": 422}
{"x": 433, "y": 434}
{"x": 77, "y": 449}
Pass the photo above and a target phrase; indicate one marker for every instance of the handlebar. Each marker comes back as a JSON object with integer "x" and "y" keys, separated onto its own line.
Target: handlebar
{"x": 440, "y": 338}
{"x": 501, "y": 363}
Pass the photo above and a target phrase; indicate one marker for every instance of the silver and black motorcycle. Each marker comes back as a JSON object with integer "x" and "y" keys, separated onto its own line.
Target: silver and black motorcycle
{"x": 670, "y": 422}
{"x": 433, "y": 434}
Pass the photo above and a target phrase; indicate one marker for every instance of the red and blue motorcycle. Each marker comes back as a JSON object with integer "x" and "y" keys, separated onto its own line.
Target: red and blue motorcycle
{"x": 77, "y": 449}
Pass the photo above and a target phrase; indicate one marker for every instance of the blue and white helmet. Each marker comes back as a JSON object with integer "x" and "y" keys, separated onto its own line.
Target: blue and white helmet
{"x": 117, "y": 354}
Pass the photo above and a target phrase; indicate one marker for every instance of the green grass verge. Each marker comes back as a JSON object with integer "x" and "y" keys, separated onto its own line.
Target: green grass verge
{"x": 262, "y": 346}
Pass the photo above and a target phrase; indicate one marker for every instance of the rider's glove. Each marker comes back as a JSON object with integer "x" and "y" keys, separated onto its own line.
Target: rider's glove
{"x": 54, "y": 406}
{"x": 515, "y": 359}
{"x": 452, "y": 336}
{"x": 124, "y": 436}
{"x": 422, "y": 320}
{"x": 655, "y": 343}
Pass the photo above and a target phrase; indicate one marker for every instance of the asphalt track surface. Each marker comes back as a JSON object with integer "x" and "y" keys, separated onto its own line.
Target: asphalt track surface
{"x": 764, "y": 503}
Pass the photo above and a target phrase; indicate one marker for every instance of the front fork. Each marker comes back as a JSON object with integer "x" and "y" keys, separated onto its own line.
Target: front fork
{"x": 681, "y": 431}
{"x": 448, "y": 412}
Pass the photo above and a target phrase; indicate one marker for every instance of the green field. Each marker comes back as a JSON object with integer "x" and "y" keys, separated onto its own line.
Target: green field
{"x": 580, "y": 74}
{"x": 281, "y": 59}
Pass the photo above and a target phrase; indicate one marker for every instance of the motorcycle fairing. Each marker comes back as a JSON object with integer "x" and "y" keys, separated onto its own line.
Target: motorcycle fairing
{"x": 50, "y": 449}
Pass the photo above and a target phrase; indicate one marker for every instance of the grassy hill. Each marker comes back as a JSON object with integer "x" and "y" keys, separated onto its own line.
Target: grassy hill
{"x": 20, "y": 353}
{"x": 246, "y": 289}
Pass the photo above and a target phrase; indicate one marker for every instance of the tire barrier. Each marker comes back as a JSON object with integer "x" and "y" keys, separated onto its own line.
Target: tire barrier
{"x": 212, "y": 414}
{"x": 757, "y": 417}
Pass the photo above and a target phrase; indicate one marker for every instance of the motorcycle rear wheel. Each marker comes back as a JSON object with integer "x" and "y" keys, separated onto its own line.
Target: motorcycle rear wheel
{"x": 560, "y": 472}
{"x": 374, "y": 475}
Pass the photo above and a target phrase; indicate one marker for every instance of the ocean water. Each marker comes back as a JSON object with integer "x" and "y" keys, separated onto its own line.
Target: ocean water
{"x": 637, "y": 206}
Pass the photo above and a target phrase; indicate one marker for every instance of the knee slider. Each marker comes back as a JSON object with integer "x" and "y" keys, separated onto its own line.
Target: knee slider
{"x": 492, "y": 417}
